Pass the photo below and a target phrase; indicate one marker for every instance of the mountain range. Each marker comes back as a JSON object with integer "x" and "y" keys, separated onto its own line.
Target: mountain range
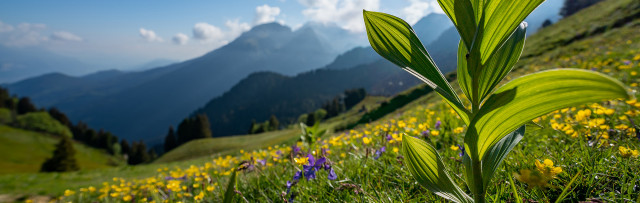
{"x": 316, "y": 58}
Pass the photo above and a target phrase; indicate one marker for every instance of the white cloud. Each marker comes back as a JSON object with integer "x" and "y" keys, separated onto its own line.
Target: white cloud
{"x": 236, "y": 28}
{"x": 5, "y": 27}
{"x": 65, "y": 36}
{"x": 211, "y": 34}
{"x": 346, "y": 13}
{"x": 266, "y": 14}
{"x": 420, "y": 8}
{"x": 180, "y": 39}
{"x": 207, "y": 32}
{"x": 150, "y": 35}
{"x": 24, "y": 34}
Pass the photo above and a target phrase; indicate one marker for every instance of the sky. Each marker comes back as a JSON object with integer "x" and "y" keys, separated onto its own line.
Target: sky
{"x": 120, "y": 34}
{"x": 123, "y": 34}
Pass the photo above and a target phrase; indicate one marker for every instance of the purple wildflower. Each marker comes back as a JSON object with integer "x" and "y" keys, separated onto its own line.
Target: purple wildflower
{"x": 426, "y": 133}
{"x": 332, "y": 174}
{"x": 626, "y": 62}
{"x": 594, "y": 69}
{"x": 295, "y": 150}
{"x": 379, "y": 152}
{"x": 438, "y": 123}
{"x": 461, "y": 154}
{"x": 320, "y": 162}
{"x": 262, "y": 161}
{"x": 389, "y": 137}
{"x": 310, "y": 174}
{"x": 297, "y": 176}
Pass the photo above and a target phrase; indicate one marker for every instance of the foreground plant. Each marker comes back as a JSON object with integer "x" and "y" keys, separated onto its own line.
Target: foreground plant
{"x": 492, "y": 38}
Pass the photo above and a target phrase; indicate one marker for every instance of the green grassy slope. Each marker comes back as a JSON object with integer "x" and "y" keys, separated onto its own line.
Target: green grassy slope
{"x": 24, "y": 151}
{"x": 225, "y": 145}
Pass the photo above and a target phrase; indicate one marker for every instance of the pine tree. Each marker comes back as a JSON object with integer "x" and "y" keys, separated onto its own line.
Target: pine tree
{"x": 185, "y": 131}
{"x": 252, "y": 128}
{"x": 573, "y": 6}
{"x": 546, "y": 23}
{"x": 274, "y": 124}
{"x": 61, "y": 117}
{"x": 4, "y": 96}
{"x": 63, "y": 158}
{"x": 152, "y": 154}
{"x": 311, "y": 119}
{"x": 170, "y": 141}
{"x": 139, "y": 154}
{"x": 125, "y": 148}
{"x": 25, "y": 106}
{"x": 201, "y": 127}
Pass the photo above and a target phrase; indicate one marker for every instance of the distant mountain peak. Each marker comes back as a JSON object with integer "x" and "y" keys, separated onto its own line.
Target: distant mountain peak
{"x": 431, "y": 26}
{"x": 270, "y": 27}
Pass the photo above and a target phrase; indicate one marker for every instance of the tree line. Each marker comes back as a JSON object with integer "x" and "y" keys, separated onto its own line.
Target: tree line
{"x": 190, "y": 128}
{"x": 63, "y": 156}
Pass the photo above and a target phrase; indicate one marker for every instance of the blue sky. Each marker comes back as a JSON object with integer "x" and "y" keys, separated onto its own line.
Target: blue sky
{"x": 121, "y": 34}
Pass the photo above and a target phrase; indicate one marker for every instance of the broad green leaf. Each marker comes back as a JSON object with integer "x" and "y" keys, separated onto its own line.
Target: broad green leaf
{"x": 425, "y": 164}
{"x": 501, "y": 18}
{"x": 496, "y": 68}
{"x": 468, "y": 173}
{"x": 463, "y": 15}
{"x": 231, "y": 188}
{"x": 501, "y": 63}
{"x": 498, "y": 152}
{"x": 532, "y": 96}
{"x": 464, "y": 75}
{"x": 396, "y": 41}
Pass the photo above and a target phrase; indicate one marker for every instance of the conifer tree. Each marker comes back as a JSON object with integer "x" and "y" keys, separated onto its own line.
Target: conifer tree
{"x": 252, "y": 128}
{"x": 170, "y": 141}
{"x": 125, "y": 148}
{"x": 185, "y": 131}
{"x": 139, "y": 154}
{"x": 274, "y": 124}
{"x": 61, "y": 117}
{"x": 201, "y": 127}
{"x": 311, "y": 119}
{"x": 573, "y": 6}
{"x": 546, "y": 23}
{"x": 63, "y": 158}
{"x": 25, "y": 106}
{"x": 4, "y": 96}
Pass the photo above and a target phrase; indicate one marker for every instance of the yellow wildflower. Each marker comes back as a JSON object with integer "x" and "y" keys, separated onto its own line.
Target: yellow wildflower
{"x": 547, "y": 168}
{"x": 301, "y": 161}
{"x": 454, "y": 148}
{"x": 458, "y": 130}
{"x": 627, "y": 152}
{"x": 366, "y": 140}
{"x": 395, "y": 149}
{"x": 435, "y": 133}
{"x": 199, "y": 197}
{"x": 69, "y": 192}
{"x": 126, "y": 198}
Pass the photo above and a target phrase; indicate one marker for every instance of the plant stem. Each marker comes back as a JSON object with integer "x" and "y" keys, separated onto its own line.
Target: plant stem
{"x": 478, "y": 194}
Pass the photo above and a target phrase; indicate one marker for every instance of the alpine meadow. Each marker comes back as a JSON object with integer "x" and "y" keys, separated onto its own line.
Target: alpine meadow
{"x": 320, "y": 101}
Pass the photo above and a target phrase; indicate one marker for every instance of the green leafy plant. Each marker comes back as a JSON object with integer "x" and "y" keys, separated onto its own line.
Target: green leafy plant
{"x": 492, "y": 39}
{"x": 310, "y": 135}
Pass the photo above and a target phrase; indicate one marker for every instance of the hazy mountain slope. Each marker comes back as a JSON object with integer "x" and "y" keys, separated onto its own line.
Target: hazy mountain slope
{"x": 431, "y": 27}
{"x": 143, "y": 104}
{"x": 264, "y": 94}
{"x": 20, "y": 63}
